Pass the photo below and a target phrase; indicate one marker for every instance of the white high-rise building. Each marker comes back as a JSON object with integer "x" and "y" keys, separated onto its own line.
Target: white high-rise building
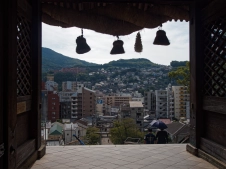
{"x": 170, "y": 102}
{"x": 181, "y": 102}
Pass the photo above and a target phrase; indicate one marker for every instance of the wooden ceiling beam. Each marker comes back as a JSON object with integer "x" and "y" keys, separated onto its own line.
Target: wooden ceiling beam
{"x": 173, "y": 2}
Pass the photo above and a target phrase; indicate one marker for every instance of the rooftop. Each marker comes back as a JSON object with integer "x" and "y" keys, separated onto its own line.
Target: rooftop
{"x": 135, "y": 104}
{"x": 170, "y": 156}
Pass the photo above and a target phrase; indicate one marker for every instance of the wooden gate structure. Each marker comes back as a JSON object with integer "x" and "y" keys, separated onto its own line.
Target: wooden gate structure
{"x": 20, "y": 42}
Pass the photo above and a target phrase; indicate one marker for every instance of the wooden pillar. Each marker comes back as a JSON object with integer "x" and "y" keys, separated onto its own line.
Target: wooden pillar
{"x": 196, "y": 68}
{"x": 9, "y": 81}
{"x": 36, "y": 57}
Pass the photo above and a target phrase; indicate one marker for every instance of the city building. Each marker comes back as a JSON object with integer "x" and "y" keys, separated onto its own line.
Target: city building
{"x": 53, "y": 111}
{"x": 170, "y": 102}
{"x": 137, "y": 113}
{"x": 65, "y": 110}
{"x": 50, "y": 77}
{"x": 181, "y": 102}
{"x": 150, "y": 102}
{"x": 74, "y": 85}
{"x": 51, "y": 86}
{"x": 68, "y": 131}
{"x": 161, "y": 103}
{"x": 86, "y": 102}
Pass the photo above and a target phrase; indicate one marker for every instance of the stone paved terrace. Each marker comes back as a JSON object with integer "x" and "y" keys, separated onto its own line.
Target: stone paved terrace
{"x": 170, "y": 156}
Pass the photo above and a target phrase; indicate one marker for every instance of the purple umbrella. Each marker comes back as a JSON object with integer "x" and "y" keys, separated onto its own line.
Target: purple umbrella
{"x": 159, "y": 124}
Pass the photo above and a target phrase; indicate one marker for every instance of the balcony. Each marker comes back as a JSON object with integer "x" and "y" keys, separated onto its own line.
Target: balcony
{"x": 157, "y": 156}
{"x": 74, "y": 103}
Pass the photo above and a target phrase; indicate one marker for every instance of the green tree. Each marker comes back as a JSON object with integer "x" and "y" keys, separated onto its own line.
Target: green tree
{"x": 123, "y": 129}
{"x": 182, "y": 75}
{"x": 91, "y": 136}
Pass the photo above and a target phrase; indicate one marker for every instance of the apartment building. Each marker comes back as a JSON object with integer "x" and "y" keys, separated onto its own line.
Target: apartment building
{"x": 74, "y": 107}
{"x": 125, "y": 110}
{"x": 65, "y": 110}
{"x": 117, "y": 100}
{"x": 170, "y": 102}
{"x": 53, "y": 111}
{"x": 181, "y": 102}
{"x": 150, "y": 101}
{"x": 161, "y": 103}
{"x": 137, "y": 113}
{"x": 86, "y": 100}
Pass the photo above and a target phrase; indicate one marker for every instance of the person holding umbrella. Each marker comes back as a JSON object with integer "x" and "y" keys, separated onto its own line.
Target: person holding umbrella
{"x": 161, "y": 136}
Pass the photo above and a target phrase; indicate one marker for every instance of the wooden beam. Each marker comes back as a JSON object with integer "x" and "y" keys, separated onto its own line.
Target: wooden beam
{"x": 176, "y": 2}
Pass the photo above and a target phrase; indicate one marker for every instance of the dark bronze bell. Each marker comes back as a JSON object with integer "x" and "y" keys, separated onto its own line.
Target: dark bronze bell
{"x": 161, "y": 38}
{"x": 117, "y": 47}
{"x": 82, "y": 46}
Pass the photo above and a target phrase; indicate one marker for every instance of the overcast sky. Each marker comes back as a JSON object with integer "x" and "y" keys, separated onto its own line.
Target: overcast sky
{"x": 62, "y": 40}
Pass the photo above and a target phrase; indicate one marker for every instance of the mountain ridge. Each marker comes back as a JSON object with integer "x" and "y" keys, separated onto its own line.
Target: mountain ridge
{"x": 52, "y": 60}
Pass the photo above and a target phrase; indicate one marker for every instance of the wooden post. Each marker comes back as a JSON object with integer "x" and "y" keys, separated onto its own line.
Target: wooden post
{"x": 196, "y": 68}
{"x": 36, "y": 57}
{"x": 10, "y": 81}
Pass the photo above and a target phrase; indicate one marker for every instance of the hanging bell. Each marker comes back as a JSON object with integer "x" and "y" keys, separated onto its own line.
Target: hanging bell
{"x": 117, "y": 47}
{"x": 82, "y": 46}
{"x": 161, "y": 38}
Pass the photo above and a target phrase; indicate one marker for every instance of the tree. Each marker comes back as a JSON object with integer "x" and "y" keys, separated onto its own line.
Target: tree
{"x": 123, "y": 129}
{"x": 91, "y": 136}
{"x": 182, "y": 75}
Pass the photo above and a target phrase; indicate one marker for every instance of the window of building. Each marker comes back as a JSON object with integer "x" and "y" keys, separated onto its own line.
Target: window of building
{"x": 53, "y": 113}
{"x": 90, "y": 97}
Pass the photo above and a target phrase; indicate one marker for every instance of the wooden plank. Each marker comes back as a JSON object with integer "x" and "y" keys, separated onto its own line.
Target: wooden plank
{"x": 213, "y": 149}
{"x": 36, "y": 60}
{"x": 196, "y": 67}
{"x": 215, "y": 104}
{"x": 24, "y": 151}
{"x": 215, "y": 127}
{"x": 10, "y": 81}
{"x": 23, "y": 106}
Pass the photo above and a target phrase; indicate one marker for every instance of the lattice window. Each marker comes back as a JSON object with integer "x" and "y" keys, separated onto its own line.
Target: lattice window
{"x": 215, "y": 58}
{"x": 23, "y": 56}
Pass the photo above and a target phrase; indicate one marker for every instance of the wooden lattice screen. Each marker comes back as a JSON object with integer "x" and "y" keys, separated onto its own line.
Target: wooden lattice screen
{"x": 23, "y": 56}
{"x": 215, "y": 58}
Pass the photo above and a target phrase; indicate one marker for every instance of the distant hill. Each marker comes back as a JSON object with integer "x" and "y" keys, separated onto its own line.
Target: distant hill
{"x": 175, "y": 63}
{"x": 140, "y": 62}
{"x": 52, "y": 60}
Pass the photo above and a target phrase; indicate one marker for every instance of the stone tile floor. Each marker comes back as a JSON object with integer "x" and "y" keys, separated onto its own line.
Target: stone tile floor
{"x": 170, "y": 156}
